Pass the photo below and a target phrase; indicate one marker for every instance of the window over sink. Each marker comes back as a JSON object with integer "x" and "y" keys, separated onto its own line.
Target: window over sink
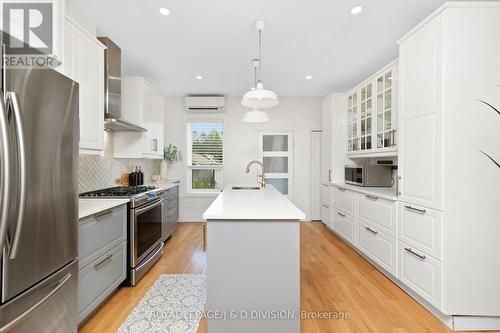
{"x": 205, "y": 160}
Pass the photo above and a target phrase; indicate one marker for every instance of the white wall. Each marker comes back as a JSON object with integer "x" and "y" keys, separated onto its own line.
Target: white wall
{"x": 297, "y": 114}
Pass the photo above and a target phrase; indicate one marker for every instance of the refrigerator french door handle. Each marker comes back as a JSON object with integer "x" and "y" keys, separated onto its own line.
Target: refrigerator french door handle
{"x": 5, "y": 173}
{"x": 34, "y": 307}
{"x": 13, "y": 100}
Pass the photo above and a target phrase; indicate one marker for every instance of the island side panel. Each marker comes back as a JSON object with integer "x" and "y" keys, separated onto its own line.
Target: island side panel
{"x": 253, "y": 266}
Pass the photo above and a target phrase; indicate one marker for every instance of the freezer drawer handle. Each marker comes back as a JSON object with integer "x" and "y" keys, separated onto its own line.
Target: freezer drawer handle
{"x": 409, "y": 250}
{"x": 371, "y": 230}
{"x": 34, "y": 307}
{"x": 421, "y": 211}
{"x": 98, "y": 265}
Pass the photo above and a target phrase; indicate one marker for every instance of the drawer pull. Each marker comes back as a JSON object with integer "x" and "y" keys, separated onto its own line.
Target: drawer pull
{"x": 371, "y": 230}
{"x": 324, "y": 205}
{"x": 421, "y": 211}
{"x": 409, "y": 250}
{"x": 371, "y": 197}
{"x": 325, "y": 185}
{"x": 341, "y": 214}
{"x": 97, "y": 265}
{"x": 341, "y": 189}
{"x": 103, "y": 213}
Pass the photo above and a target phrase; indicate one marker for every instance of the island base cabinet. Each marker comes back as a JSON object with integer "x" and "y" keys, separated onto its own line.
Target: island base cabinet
{"x": 422, "y": 273}
{"x": 99, "y": 279}
{"x": 253, "y": 267}
{"x": 380, "y": 247}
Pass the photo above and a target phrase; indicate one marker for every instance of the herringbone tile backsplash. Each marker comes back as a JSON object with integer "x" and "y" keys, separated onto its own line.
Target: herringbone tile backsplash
{"x": 97, "y": 172}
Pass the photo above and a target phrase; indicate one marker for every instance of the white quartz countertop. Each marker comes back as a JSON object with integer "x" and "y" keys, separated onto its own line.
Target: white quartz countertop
{"x": 388, "y": 193}
{"x": 87, "y": 207}
{"x": 264, "y": 204}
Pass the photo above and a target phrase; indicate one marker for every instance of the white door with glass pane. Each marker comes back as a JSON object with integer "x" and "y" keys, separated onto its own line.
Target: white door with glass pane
{"x": 276, "y": 152}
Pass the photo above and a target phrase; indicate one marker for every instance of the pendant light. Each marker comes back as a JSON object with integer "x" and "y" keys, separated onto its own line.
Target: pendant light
{"x": 258, "y": 97}
{"x": 255, "y": 116}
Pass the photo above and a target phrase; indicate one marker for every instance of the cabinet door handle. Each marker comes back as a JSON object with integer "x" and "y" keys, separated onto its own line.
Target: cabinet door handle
{"x": 393, "y": 138}
{"x": 421, "y": 211}
{"x": 421, "y": 256}
{"x": 329, "y": 175}
{"x": 341, "y": 214}
{"x": 371, "y": 230}
{"x": 371, "y": 197}
{"x": 103, "y": 214}
{"x": 341, "y": 189}
{"x": 97, "y": 265}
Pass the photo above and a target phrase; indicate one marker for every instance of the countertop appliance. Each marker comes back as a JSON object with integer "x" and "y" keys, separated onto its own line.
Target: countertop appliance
{"x": 369, "y": 175}
{"x": 113, "y": 89}
{"x": 144, "y": 234}
{"x": 39, "y": 135}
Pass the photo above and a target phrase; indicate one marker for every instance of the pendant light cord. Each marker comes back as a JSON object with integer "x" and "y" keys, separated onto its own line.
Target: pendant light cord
{"x": 260, "y": 55}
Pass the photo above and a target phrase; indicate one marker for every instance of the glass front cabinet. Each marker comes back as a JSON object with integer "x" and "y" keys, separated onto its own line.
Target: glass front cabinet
{"x": 371, "y": 114}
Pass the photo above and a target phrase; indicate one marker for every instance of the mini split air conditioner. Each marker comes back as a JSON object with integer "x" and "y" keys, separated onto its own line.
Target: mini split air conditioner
{"x": 205, "y": 104}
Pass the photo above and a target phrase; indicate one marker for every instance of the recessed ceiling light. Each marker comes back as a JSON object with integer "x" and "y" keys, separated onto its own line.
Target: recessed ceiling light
{"x": 199, "y": 77}
{"x": 309, "y": 77}
{"x": 356, "y": 10}
{"x": 164, "y": 11}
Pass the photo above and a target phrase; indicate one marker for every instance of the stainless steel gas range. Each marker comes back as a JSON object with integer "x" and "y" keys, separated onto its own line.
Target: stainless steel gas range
{"x": 145, "y": 245}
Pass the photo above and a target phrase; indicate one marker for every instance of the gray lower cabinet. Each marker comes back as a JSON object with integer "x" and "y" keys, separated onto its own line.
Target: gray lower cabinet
{"x": 102, "y": 258}
{"x": 170, "y": 212}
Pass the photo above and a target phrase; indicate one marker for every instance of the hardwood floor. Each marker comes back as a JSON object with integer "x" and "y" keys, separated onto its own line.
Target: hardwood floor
{"x": 333, "y": 278}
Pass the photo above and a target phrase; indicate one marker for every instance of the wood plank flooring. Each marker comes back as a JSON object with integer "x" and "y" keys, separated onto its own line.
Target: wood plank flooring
{"x": 333, "y": 278}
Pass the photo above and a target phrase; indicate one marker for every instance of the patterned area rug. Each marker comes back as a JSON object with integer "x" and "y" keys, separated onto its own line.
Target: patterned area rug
{"x": 174, "y": 304}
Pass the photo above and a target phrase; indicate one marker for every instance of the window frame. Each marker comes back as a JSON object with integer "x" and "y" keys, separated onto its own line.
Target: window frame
{"x": 200, "y": 118}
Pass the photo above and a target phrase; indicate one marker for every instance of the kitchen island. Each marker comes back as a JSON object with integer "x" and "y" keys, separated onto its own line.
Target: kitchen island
{"x": 253, "y": 262}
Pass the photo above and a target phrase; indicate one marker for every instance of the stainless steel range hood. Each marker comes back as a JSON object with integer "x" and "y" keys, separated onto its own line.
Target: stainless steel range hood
{"x": 113, "y": 90}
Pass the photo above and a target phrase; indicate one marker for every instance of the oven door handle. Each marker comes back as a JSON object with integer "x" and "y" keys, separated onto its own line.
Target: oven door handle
{"x": 141, "y": 210}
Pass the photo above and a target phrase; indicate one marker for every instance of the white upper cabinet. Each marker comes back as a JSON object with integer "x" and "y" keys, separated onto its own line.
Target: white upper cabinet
{"x": 371, "y": 115}
{"x": 333, "y": 138}
{"x": 142, "y": 105}
{"x": 327, "y": 140}
{"x": 420, "y": 158}
{"x": 84, "y": 63}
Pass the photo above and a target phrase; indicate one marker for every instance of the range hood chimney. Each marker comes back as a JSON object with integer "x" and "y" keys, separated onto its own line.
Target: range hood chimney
{"x": 113, "y": 90}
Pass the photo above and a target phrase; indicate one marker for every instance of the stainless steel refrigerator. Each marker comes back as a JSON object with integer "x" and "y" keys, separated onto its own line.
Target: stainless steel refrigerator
{"x": 39, "y": 134}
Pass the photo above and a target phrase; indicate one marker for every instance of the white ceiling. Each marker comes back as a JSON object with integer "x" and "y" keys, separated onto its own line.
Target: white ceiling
{"x": 216, "y": 39}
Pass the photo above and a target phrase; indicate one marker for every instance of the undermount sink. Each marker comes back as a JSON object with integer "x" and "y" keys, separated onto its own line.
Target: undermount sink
{"x": 246, "y": 188}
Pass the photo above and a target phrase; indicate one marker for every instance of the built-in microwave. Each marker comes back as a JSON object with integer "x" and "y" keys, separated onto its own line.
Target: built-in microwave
{"x": 369, "y": 175}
